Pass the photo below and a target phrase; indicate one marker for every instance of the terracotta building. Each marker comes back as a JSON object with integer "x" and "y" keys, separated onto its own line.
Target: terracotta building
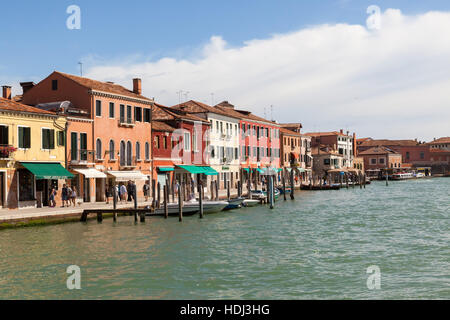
{"x": 378, "y": 158}
{"x": 110, "y": 141}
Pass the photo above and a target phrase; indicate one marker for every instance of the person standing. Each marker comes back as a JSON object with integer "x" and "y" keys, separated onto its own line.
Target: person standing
{"x": 129, "y": 191}
{"x": 123, "y": 192}
{"x": 74, "y": 196}
{"x": 107, "y": 193}
{"x": 133, "y": 191}
{"x": 51, "y": 199}
{"x": 146, "y": 190}
{"x": 63, "y": 195}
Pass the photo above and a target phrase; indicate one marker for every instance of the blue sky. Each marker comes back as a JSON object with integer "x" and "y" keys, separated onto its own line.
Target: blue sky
{"x": 315, "y": 61}
{"x": 36, "y": 41}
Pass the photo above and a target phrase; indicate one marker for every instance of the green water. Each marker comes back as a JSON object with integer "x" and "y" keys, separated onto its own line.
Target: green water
{"x": 316, "y": 247}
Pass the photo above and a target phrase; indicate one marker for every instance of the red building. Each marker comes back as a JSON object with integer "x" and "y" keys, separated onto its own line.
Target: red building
{"x": 111, "y": 145}
{"x": 179, "y": 144}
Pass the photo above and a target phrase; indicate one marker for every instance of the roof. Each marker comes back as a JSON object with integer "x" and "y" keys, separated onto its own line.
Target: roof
{"x": 377, "y": 150}
{"x": 162, "y": 126}
{"x": 103, "y": 86}
{"x": 10, "y": 105}
{"x": 228, "y": 108}
{"x": 160, "y": 112}
{"x": 192, "y": 106}
{"x": 440, "y": 140}
{"x": 289, "y": 132}
{"x": 319, "y": 134}
{"x": 375, "y": 143}
{"x": 325, "y": 150}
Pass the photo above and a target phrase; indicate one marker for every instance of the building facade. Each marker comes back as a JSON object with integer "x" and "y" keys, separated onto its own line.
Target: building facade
{"x": 343, "y": 143}
{"x": 119, "y": 146}
{"x": 32, "y": 154}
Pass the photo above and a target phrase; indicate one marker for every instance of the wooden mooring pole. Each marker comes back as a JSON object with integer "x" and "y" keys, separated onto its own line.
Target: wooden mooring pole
{"x": 166, "y": 200}
{"x": 284, "y": 188}
{"x": 200, "y": 199}
{"x": 114, "y": 203}
{"x": 292, "y": 184}
{"x": 180, "y": 202}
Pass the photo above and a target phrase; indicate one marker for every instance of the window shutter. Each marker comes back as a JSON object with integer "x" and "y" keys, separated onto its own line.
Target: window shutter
{"x": 27, "y": 137}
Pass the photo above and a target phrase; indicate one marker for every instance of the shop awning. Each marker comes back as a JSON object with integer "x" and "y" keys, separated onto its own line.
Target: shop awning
{"x": 166, "y": 169}
{"x": 91, "y": 173}
{"x": 247, "y": 169}
{"x": 301, "y": 170}
{"x": 210, "y": 171}
{"x": 47, "y": 171}
{"x": 127, "y": 175}
{"x": 192, "y": 169}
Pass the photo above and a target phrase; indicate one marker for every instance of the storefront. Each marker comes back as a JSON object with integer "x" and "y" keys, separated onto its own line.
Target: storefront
{"x": 36, "y": 180}
{"x": 85, "y": 180}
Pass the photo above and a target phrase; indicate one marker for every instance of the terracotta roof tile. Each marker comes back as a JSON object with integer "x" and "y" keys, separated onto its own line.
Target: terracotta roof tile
{"x": 103, "y": 86}
{"x": 162, "y": 126}
{"x": 199, "y": 107}
{"x": 289, "y": 132}
{"x": 377, "y": 150}
{"x": 374, "y": 143}
{"x": 440, "y": 140}
{"x": 11, "y": 105}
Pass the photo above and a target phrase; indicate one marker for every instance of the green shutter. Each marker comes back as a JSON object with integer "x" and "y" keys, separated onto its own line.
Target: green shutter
{"x": 52, "y": 139}
{"x": 27, "y": 138}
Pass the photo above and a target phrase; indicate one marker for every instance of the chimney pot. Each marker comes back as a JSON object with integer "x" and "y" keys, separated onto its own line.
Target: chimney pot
{"x": 26, "y": 86}
{"x": 7, "y": 92}
{"x": 137, "y": 86}
{"x": 342, "y": 131}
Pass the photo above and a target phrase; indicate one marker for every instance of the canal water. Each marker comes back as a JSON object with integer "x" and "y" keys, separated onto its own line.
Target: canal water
{"x": 316, "y": 247}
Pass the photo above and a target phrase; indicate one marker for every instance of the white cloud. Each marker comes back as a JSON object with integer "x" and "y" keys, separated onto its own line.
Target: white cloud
{"x": 391, "y": 82}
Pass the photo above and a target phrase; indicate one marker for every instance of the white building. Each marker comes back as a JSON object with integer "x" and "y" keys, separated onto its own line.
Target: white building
{"x": 223, "y": 141}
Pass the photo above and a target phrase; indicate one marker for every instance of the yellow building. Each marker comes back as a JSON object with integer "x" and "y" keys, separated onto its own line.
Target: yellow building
{"x": 32, "y": 154}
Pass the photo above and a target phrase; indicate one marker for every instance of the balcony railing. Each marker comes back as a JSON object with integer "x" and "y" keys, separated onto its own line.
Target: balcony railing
{"x": 82, "y": 157}
{"x": 126, "y": 122}
{"x": 6, "y": 151}
{"x": 128, "y": 162}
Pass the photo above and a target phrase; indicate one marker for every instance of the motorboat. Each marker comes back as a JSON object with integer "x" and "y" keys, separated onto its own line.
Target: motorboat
{"x": 234, "y": 203}
{"x": 403, "y": 176}
{"x": 192, "y": 207}
{"x": 251, "y": 202}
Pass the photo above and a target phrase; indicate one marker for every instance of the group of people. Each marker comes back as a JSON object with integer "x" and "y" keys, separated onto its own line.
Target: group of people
{"x": 124, "y": 193}
{"x": 68, "y": 196}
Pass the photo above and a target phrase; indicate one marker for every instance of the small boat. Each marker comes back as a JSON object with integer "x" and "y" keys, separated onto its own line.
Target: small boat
{"x": 250, "y": 202}
{"x": 318, "y": 188}
{"x": 402, "y": 176}
{"x": 192, "y": 207}
{"x": 420, "y": 175}
{"x": 261, "y": 195}
{"x": 288, "y": 190}
{"x": 234, "y": 203}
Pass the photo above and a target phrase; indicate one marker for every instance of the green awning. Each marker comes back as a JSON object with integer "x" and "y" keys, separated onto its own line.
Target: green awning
{"x": 260, "y": 170}
{"x": 165, "y": 169}
{"x": 192, "y": 169}
{"x": 209, "y": 171}
{"x": 247, "y": 169}
{"x": 47, "y": 171}
{"x": 280, "y": 169}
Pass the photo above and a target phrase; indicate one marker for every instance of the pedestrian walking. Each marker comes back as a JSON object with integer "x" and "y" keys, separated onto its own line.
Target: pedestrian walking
{"x": 74, "y": 196}
{"x": 146, "y": 190}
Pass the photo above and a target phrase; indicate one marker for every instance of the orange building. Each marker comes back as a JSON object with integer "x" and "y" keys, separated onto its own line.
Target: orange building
{"x": 109, "y": 131}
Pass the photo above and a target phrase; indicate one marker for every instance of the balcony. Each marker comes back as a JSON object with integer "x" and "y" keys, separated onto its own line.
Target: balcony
{"x": 82, "y": 157}
{"x": 126, "y": 122}
{"x": 128, "y": 163}
{"x": 6, "y": 151}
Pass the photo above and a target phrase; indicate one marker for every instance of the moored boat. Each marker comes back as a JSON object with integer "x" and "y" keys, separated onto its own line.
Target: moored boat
{"x": 251, "y": 202}
{"x": 402, "y": 176}
{"x": 234, "y": 203}
{"x": 193, "y": 207}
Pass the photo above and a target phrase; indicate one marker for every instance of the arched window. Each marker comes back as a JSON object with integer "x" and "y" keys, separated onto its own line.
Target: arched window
{"x": 147, "y": 151}
{"x": 123, "y": 157}
{"x": 138, "y": 151}
{"x": 98, "y": 149}
{"x": 112, "y": 151}
{"x": 129, "y": 153}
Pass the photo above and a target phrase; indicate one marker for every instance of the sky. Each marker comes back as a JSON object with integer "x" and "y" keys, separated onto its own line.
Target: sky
{"x": 315, "y": 62}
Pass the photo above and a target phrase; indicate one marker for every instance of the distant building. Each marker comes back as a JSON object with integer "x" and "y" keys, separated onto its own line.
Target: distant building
{"x": 326, "y": 158}
{"x": 440, "y": 144}
{"x": 343, "y": 143}
{"x": 381, "y": 158}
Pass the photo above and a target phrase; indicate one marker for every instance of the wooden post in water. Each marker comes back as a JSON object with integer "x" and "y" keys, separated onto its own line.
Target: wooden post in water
{"x": 387, "y": 178}
{"x": 364, "y": 180}
{"x": 180, "y": 203}
{"x": 249, "y": 184}
{"x": 212, "y": 190}
{"x": 228, "y": 191}
{"x": 114, "y": 203}
{"x": 284, "y": 188}
{"x": 99, "y": 217}
{"x": 200, "y": 199}
{"x": 271, "y": 188}
{"x": 166, "y": 200}
{"x": 360, "y": 180}
{"x": 216, "y": 184}
{"x": 173, "y": 189}
{"x": 346, "y": 180}
{"x": 159, "y": 195}
{"x": 135, "y": 204}
{"x": 292, "y": 184}
{"x": 153, "y": 193}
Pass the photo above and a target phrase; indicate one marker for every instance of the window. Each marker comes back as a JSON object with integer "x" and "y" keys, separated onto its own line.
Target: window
{"x": 111, "y": 110}
{"x": 54, "y": 85}
{"x": 407, "y": 155}
{"x": 326, "y": 162}
{"x": 4, "y": 137}
{"x": 112, "y": 155}
{"x": 217, "y": 127}
{"x": 98, "y": 108}
{"x": 61, "y": 138}
{"x": 187, "y": 141}
{"x": 26, "y": 185}
{"x": 129, "y": 154}
{"x": 24, "y": 137}
{"x": 122, "y": 113}
{"x": 147, "y": 151}
{"x": 74, "y": 146}
{"x": 83, "y": 146}
{"x": 165, "y": 142}
{"x": 123, "y": 157}
{"x": 138, "y": 151}
{"x": 129, "y": 115}
{"x": 381, "y": 160}
{"x": 138, "y": 114}
{"x": 373, "y": 161}
{"x": 48, "y": 139}
{"x": 422, "y": 155}
{"x": 157, "y": 142}
{"x": 147, "y": 115}
{"x": 98, "y": 149}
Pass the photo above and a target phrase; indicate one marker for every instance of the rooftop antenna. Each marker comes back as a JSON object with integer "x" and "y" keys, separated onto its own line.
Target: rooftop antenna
{"x": 186, "y": 95}
{"x": 179, "y": 96}
{"x": 81, "y": 68}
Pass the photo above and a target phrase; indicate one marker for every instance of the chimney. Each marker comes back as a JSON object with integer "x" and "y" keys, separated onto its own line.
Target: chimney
{"x": 137, "y": 86}
{"x": 7, "y": 92}
{"x": 26, "y": 86}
